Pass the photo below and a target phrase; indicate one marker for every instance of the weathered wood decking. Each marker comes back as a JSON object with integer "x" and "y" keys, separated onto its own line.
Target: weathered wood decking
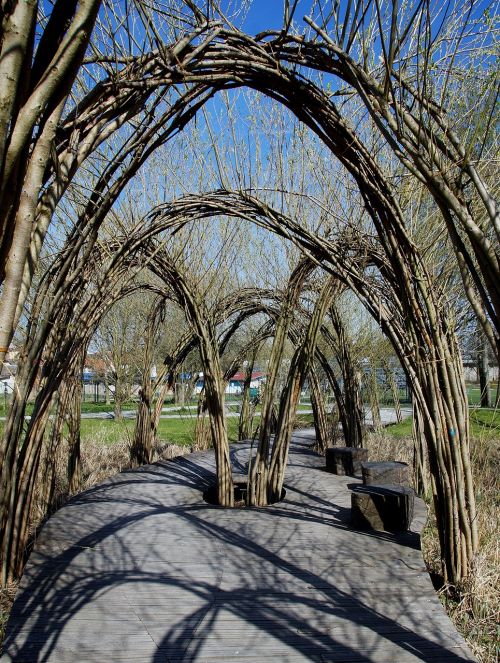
{"x": 141, "y": 569}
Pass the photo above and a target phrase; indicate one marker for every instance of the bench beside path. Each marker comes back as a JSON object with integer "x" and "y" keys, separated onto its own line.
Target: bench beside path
{"x": 140, "y": 568}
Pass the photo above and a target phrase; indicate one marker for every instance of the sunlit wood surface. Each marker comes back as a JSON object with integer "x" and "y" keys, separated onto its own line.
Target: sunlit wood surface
{"x": 140, "y": 568}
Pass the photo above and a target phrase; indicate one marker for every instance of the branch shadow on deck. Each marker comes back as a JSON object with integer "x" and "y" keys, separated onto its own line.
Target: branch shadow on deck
{"x": 175, "y": 577}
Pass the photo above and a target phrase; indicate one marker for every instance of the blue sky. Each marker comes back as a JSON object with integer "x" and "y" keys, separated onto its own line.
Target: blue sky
{"x": 264, "y": 15}
{"x": 268, "y": 15}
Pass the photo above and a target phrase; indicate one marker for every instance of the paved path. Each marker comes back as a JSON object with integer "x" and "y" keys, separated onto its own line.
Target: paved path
{"x": 387, "y": 414}
{"x": 139, "y": 568}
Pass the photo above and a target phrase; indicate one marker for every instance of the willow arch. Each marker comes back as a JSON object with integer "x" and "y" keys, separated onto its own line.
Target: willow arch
{"x": 428, "y": 350}
{"x": 405, "y": 302}
{"x": 210, "y": 58}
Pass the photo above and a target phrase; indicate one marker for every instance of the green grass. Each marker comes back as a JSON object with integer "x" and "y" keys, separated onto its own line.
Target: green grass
{"x": 474, "y": 394}
{"x": 304, "y": 420}
{"x": 179, "y": 430}
{"x": 483, "y": 423}
{"x": 90, "y": 406}
{"x": 108, "y": 431}
{"x": 404, "y": 429}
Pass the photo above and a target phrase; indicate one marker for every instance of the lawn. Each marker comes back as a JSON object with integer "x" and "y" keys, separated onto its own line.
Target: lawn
{"x": 474, "y": 394}
{"x": 484, "y": 423}
{"x": 89, "y": 406}
{"x": 179, "y": 430}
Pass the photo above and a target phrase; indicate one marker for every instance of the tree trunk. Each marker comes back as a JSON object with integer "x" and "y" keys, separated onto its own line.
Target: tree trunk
{"x": 389, "y": 376}
{"x": 118, "y": 398}
{"x": 341, "y": 414}
{"x": 483, "y": 369}
{"x": 156, "y": 414}
{"x": 141, "y": 450}
{"x": 204, "y": 327}
{"x": 214, "y": 388}
{"x": 349, "y": 400}
{"x": 321, "y": 428}
{"x": 245, "y": 422}
{"x": 202, "y": 439}
{"x": 18, "y": 484}
{"x": 420, "y": 465}
{"x": 374, "y": 399}
{"x": 258, "y": 487}
{"x": 74, "y": 412}
{"x": 106, "y": 390}
{"x": 446, "y": 426}
{"x": 47, "y": 498}
{"x": 300, "y": 366}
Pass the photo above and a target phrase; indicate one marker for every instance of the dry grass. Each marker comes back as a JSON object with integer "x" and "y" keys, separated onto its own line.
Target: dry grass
{"x": 100, "y": 461}
{"x": 6, "y": 599}
{"x": 475, "y": 606}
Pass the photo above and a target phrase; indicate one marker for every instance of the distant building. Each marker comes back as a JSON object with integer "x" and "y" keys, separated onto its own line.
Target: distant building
{"x": 238, "y": 380}
{"x": 7, "y": 377}
{"x": 235, "y": 384}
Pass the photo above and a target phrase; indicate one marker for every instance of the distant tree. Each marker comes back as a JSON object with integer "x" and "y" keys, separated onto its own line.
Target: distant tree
{"x": 120, "y": 340}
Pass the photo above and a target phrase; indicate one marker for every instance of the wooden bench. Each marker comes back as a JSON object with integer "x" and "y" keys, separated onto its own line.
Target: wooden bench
{"x": 382, "y": 508}
{"x": 345, "y": 460}
{"x": 385, "y": 473}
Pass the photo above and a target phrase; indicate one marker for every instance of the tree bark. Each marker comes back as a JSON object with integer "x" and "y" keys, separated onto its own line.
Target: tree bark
{"x": 301, "y": 364}
{"x": 323, "y": 437}
{"x": 245, "y": 422}
{"x": 258, "y": 487}
{"x": 74, "y": 412}
{"x": 141, "y": 451}
{"x": 420, "y": 465}
{"x": 483, "y": 369}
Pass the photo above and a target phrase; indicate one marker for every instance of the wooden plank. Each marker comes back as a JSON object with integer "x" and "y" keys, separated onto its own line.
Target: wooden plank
{"x": 141, "y": 569}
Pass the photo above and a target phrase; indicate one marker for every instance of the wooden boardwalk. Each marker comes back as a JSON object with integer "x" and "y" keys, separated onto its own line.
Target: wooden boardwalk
{"x": 141, "y": 569}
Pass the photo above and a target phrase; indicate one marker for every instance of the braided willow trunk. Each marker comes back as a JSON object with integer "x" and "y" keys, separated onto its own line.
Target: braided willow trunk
{"x": 258, "y": 484}
{"x": 141, "y": 451}
{"x": 202, "y": 433}
{"x": 59, "y": 329}
{"x": 245, "y": 422}
{"x": 349, "y": 401}
{"x": 47, "y": 496}
{"x": 300, "y": 366}
{"x": 340, "y": 414}
{"x": 323, "y": 437}
{"x": 374, "y": 398}
{"x": 389, "y": 376}
{"x": 63, "y": 365}
{"x": 442, "y": 399}
{"x": 18, "y": 487}
{"x": 161, "y": 389}
{"x": 74, "y": 405}
{"x": 420, "y": 465}
{"x": 214, "y": 389}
